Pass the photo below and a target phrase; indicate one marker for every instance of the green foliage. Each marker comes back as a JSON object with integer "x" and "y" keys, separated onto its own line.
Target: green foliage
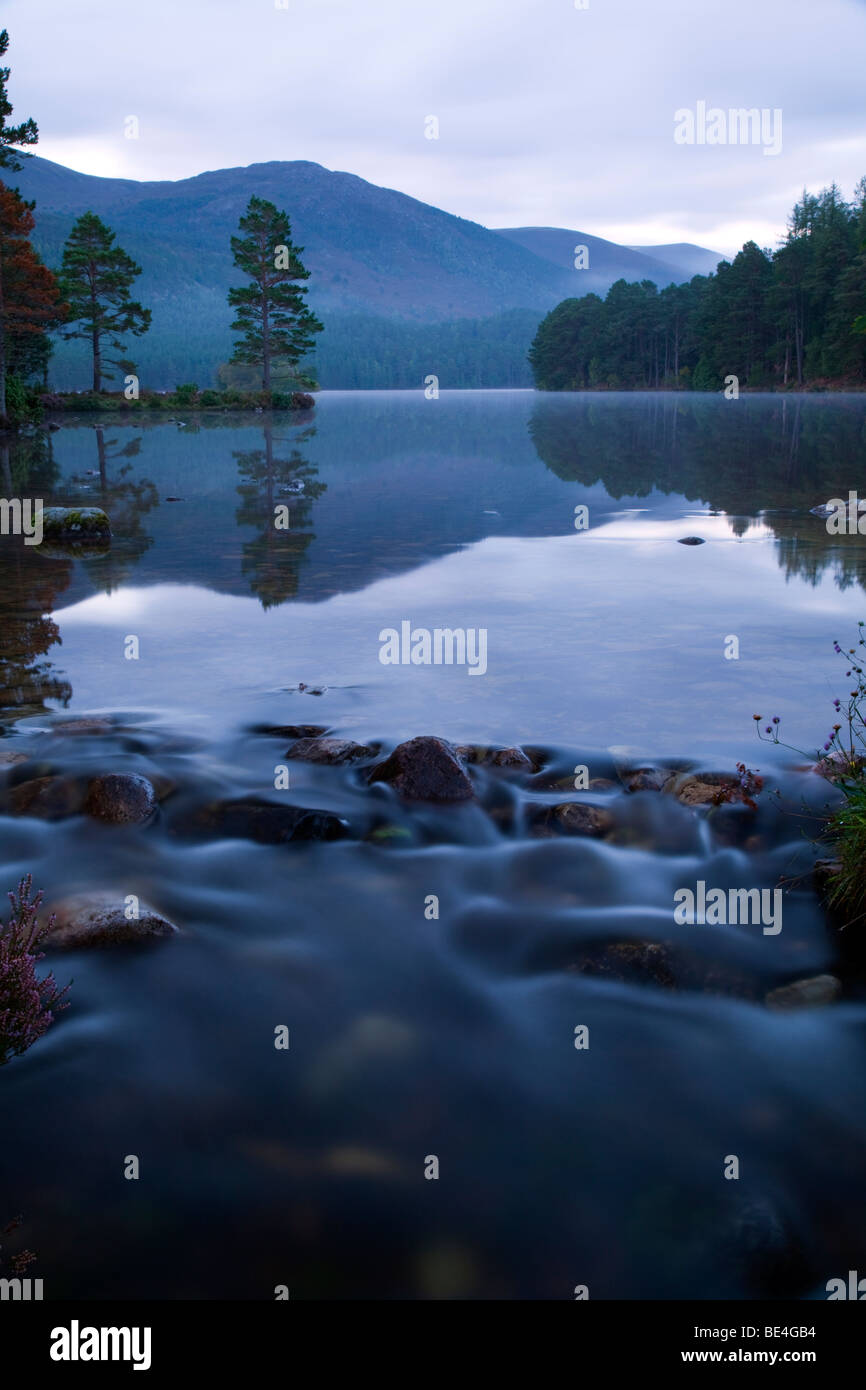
{"x": 11, "y": 136}
{"x": 788, "y": 318}
{"x": 96, "y": 277}
{"x": 271, "y": 313}
{"x": 185, "y": 395}
{"x": 22, "y": 402}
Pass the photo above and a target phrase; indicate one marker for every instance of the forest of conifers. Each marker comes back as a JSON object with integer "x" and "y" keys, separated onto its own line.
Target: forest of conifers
{"x": 788, "y": 318}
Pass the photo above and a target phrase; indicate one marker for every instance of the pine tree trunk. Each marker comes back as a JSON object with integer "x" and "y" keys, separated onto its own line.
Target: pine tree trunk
{"x": 97, "y": 353}
{"x": 97, "y": 362}
{"x": 266, "y": 347}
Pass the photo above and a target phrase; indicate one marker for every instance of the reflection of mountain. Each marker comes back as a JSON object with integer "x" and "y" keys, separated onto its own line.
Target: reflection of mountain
{"x": 745, "y": 458}
{"x": 272, "y": 485}
{"x": 29, "y": 587}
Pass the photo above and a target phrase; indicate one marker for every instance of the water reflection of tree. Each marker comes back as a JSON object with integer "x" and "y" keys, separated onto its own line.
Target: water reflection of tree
{"x": 271, "y": 562}
{"x": 773, "y": 459}
{"x": 125, "y": 499}
{"x": 30, "y": 584}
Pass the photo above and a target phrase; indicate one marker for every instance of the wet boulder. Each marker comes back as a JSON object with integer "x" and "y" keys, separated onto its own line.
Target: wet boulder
{"x": 811, "y": 993}
{"x": 510, "y": 758}
{"x": 83, "y": 726}
{"x": 330, "y": 750}
{"x": 291, "y": 730}
{"x": 45, "y": 798}
{"x": 121, "y": 798}
{"x": 80, "y": 525}
{"x": 574, "y": 818}
{"x": 267, "y": 822}
{"x": 646, "y": 779}
{"x": 105, "y": 919}
{"x": 11, "y": 759}
{"x": 425, "y": 769}
{"x": 709, "y": 789}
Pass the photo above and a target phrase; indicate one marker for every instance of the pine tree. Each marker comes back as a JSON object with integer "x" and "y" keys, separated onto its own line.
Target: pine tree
{"x": 12, "y": 135}
{"x": 271, "y": 312}
{"x": 96, "y": 277}
{"x": 30, "y": 297}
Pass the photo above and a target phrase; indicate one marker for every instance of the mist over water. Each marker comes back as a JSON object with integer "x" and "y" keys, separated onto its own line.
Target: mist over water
{"x": 451, "y": 1037}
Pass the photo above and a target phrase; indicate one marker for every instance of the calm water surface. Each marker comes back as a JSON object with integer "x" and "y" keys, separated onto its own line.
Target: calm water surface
{"x": 451, "y": 1037}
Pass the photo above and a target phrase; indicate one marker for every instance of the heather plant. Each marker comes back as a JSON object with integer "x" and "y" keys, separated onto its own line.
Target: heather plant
{"x": 842, "y": 760}
{"x": 27, "y": 1003}
{"x": 19, "y": 1262}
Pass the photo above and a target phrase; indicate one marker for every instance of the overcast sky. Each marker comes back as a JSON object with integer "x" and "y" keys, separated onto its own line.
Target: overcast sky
{"x": 548, "y": 114}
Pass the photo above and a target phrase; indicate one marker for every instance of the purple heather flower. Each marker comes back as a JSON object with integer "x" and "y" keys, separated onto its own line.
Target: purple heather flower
{"x": 26, "y": 1002}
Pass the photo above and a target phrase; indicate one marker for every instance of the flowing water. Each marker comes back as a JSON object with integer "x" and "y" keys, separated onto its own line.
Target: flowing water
{"x": 411, "y": 1035}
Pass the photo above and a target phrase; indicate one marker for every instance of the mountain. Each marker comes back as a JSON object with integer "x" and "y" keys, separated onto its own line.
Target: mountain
{"x": 401, "y": 286}
{"x": 684, "y": 258}
{"x": 608, "y": 261}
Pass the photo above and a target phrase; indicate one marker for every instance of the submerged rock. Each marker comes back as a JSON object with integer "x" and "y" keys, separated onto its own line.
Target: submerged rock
{"x": 291, "y": 730}
{"x": 510, "y": 757}
{"x": 267, "y": 822}
{"x": 425, "y": 769}
{"x": 646, "y": 779}
{"x": 95, "y": 725}
{"x": 574, "y": 818}
{"x": 100, "y": 919}
{"x": 810, "y": 993}
{"x": 12, "y": 759}
{"x": 632, "y": 962}
{"x": 330, "y": 750}
{"x": 77, "y": 524}
{"x": 122, "y": 798}
{"x": 46, "y": 798}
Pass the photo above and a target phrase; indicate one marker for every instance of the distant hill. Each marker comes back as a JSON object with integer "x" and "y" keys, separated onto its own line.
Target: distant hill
{"x": 684, "y": 258}
{"x": 377, "y": 257}
{"x": 608, "y": 261}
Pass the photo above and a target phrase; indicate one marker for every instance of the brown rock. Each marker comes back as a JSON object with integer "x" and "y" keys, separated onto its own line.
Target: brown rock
{"x": 810, "y": 993}
{"x": 83, "y": 726}
{"x": 46, "y": 798}
{"x": 330, "y": 750}
{"x": 267, "y": 822}
{"x": 122, "y": 798}
{"x": 578, "y": 818}
{"x": 646, "y": 779}
{"x": 11, "y": 759}
{"x": 708, "y": 789}
{"x": 100, "y": 919}
{"x": 425, "y": 769}
{"x": 510, "y": 757}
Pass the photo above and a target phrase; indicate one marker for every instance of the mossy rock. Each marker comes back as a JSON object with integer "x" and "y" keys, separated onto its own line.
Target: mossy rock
{"x": 76, "y": 525}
